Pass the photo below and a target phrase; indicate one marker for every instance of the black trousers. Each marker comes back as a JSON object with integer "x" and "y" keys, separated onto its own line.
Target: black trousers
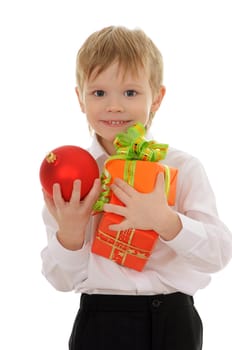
{"x": 113, "y": 322}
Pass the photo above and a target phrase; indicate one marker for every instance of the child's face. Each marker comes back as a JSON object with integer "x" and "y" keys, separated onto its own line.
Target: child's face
{"x": 113, "y": 101}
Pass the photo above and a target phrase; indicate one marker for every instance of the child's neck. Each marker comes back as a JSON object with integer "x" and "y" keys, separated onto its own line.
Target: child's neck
{"x": 107, "y": 146}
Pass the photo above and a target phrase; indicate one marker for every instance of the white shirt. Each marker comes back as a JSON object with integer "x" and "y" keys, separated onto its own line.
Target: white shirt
{"x": 203, "y": 246}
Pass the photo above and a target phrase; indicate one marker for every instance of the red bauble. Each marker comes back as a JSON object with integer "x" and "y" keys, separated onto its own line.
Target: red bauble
{"x": 65, "y": 164}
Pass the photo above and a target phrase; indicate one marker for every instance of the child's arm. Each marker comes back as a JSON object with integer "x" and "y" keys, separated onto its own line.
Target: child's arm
{"x": 65, "y": 258}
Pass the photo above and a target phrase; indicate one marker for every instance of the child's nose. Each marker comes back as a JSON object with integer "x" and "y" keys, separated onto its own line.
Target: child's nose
{"x": 114, "y": 109}
{"x": 114, "y": 105}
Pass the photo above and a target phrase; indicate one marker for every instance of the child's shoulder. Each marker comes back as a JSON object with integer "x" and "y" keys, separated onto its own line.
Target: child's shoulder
{"x": 179, "y": 159}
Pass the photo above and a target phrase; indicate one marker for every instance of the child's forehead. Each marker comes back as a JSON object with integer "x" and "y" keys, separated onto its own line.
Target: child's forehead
{"x": 121, "y": 70}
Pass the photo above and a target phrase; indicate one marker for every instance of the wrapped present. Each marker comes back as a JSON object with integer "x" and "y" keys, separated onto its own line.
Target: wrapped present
{"x": 130, "y": 248}
{"x": 136, "y": 162}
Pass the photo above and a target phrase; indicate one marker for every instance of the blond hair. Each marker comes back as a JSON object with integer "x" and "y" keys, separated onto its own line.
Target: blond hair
{"x": 132, "y": 49}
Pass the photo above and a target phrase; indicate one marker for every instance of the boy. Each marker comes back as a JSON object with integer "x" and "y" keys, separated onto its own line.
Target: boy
{"x": 119, "y": 83}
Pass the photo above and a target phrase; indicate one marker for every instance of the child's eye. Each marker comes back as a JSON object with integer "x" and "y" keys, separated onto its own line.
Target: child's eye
{"x": 99, "y": 93}
{"x": 130, "y": 93}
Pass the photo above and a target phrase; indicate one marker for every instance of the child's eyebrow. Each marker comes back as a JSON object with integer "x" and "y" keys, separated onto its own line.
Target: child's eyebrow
{"x": 95, "y": 87}
{"x": 132, "y": 85}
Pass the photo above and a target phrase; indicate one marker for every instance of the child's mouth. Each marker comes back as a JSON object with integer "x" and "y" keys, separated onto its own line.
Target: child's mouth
{"x": 116, "y": 122}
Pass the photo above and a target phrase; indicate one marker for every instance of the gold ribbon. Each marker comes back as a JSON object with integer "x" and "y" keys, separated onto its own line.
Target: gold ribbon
{"x": 124, "y": 248}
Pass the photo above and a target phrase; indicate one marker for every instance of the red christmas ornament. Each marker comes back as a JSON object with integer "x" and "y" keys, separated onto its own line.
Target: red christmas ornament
{"x": 65, "y": 164}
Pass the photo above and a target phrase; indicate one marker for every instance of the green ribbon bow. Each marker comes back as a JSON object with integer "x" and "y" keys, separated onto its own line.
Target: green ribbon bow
{"x": 132, "y": 145}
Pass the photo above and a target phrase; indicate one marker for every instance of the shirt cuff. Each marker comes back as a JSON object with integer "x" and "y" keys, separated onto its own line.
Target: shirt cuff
{"x": 189, "y": 238}
{"x": 68, "y": 259}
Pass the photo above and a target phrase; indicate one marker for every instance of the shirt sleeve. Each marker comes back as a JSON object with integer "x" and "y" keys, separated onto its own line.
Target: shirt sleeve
{"x": 63, "y": 268}
{"x": 204, "y": 241}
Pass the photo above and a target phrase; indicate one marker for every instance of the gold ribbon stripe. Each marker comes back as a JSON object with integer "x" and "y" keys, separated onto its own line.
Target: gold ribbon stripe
{"x": 123, "y": 247}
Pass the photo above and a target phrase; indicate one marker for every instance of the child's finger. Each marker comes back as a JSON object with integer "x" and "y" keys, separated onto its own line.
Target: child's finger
{"x": 57, "y": 196}
{"x": 159, "y": 185}
{"x": 122, "y": 191}
{"x": 113, "y": 208}
{"x": 92, "y": 196}
{"x": 76, "y": 192}
{"x": 124, "y": 186}
{"x": 124, "y": 225}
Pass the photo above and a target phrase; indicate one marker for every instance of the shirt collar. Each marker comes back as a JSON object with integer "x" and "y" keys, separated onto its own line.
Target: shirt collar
{"x": 96, "y": 149}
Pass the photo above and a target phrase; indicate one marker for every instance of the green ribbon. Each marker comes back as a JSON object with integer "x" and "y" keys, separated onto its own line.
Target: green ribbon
{"x": 132, "y": 145}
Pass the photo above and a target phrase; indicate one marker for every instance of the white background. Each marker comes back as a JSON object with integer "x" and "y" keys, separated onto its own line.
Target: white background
{"x": 39, "y": 111}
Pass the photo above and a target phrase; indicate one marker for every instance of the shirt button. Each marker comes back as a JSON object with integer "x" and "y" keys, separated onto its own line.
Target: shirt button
{"x": 156, "y": 303}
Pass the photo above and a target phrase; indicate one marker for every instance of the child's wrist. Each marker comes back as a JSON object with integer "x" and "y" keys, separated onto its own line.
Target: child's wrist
{"x": 171, "y": 226}
{"x": 70, "y": 243}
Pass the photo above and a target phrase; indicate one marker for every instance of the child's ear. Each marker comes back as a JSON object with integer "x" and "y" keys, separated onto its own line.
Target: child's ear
{"x": 158, "y": 99}
{"x": 81, "y": 103}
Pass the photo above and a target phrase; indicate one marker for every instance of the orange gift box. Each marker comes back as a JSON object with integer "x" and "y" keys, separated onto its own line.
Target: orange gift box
{"x": 131, "y": 248}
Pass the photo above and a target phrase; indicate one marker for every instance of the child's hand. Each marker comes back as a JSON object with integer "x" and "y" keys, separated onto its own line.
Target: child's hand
{"x": 145, "y": 211}
{"x": 73, "y": 216}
